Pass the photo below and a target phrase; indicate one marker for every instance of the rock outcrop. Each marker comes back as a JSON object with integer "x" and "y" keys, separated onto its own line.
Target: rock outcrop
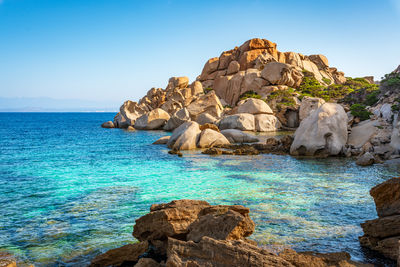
{"x": 153, "y": 120}
{"x": 195, "y": 233}
{"x": 324, "y": 132}
{"x": 383, "y": 234}
{"x": 308, "y": 105}
{"x": 108, "y": 124}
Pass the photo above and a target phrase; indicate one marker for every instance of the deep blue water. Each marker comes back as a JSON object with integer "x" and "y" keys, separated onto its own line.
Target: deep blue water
{"x": 70, "y": 189}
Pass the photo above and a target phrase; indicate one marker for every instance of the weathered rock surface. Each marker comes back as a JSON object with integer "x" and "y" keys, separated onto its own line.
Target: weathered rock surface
{"x": 254, "y": 106}
{"x": 177, "y": 119}
{"x": 241, "y": 121}
{"x": 108, "y": 124}
{"x": 266, "y": 123}
{"x": 185, "y": 137}
{"x": 237, "y": 136}
{"x": 324, "y": 132}
{"x": 205, "y": 118}
{"x": 162, "y": 141}
{"x": 383, "y": 234}
{"x": 195, "y": 233}
{"x": 7, "y": 260}
{"x": 282, "y": 74}
{"x": 211, "y": 138}
{"x": 308, "y": 105}
{"x": 366, "y": 159}
{"x": 128, "y": 254}
{"x": 153, "y": 120}
{"x": 363, "y": 133}
{"x": 208, "y": 103}
{"x": 211, "y": 252}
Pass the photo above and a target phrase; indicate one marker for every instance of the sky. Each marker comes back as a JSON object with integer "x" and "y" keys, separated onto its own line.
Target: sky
{"x": 114, "y": 50}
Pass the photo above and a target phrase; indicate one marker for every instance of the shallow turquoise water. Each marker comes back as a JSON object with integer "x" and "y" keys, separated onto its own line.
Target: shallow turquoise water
{"x": 70, "y": 189}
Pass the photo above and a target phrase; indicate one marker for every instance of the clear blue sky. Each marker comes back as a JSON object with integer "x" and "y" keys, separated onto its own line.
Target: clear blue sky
{"x": 118, "y": 49}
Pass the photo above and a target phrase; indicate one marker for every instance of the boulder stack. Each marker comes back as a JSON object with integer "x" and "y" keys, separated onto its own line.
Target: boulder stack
{"x": 383, "y": 234}
{"x": 186, "y": 233}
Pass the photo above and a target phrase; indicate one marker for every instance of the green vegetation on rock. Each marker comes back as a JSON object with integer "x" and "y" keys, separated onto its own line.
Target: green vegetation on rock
{"x": 359, "y": 110}
{"x": 249, "y": 94}
{"x": 207, "y": 90}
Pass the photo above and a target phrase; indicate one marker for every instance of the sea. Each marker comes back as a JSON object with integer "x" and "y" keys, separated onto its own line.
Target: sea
{"x": 70, "y": 190}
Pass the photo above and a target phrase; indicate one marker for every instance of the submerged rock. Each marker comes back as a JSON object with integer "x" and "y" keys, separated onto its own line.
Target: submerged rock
{"x": 366, "y": 159}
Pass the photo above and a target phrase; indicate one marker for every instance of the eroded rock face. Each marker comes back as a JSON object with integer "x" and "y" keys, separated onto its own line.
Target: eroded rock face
{"x": 177, "y": 119}
{"x": 282, "y": 74}
{"x": 254, "y": 106}
{"x": 237, "y": 136}
{"x": 230, "y": 253}
{"x": 130, "y": 111}
{"x": 208, "y": 103}
{"x": 153, "y": 120}
{"x": 324, "y": 132}
{"x": 383, "y": 234}
{"x": 185, "y": 137}
{"x": 266, "y": 123}
{"x": 128, "y": 254}
{"x": 308, "y": 105}
{"x": 241, "y": 121}
{"x": 211, "y": 138}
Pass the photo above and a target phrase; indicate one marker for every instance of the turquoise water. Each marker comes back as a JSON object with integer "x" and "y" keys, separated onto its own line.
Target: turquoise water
{"x": 70, "y": 189}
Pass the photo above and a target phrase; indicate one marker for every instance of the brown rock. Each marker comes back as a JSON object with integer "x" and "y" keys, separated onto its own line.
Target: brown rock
{"x": 210, "y": 138}
{"x": 387, "y": 197}
{"x": 119, "y": 256}
{"x": 233, "y": 67}
{"x": 312, "y": 259}
{"x": 210, "y": 67}
{"x": 382, "y": 227}
{"x": 177, "y": 82}
{"x": 209, "y": 126}
{"x": 222, "y": 223}
{"x": 147, "y": 262}
{"x": 210, "y": 252}
{"x": 282, "y": 74}
{"x": 208, "y": 103}
{"x": 168, "y": 220}
{"x": 248, "y": 58}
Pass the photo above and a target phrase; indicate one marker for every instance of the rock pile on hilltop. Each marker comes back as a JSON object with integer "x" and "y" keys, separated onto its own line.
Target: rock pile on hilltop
{"x": 195, "y": 233}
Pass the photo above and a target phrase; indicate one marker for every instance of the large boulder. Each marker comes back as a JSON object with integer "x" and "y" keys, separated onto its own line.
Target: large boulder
{"x": 282, "y": 74}
{"x": 185, "y": 137}
{"x": 205, "y": 118}
{"x": 266, "y": 123}
{"x": 177, "y": 119}
{"x": 241, "y": 121}
{"x": 387, "y": 197}
{"x": 120, "y": 121}
{"x": 308, "y": 105}
{"x": 211, "y": 138}
{"x": 177, "y": 83}
{"x": 237, "y": 136}
{"x": 363, "y": 132}
{"x": 324, "y": 132}
{"x": 208, "y": 103}
{"x": 366, "y": 159}
{"x": 153, "y": 120}
{"x": 131, "y": 110}
{"x": 170, "y": 219}
{"x": 254, "y": 106}
{"x": 162, "y": 141}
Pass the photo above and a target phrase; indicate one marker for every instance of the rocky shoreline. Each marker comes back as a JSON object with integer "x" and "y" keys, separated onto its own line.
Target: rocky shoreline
{"x": 256, "y": 88}
{"x": 195, "y": 233}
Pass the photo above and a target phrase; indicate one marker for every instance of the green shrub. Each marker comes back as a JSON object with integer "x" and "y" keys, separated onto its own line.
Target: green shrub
{"x": 358, "y": 110}
{"x": 396, "y": 107}
{"x": 285, "y": 97}
{"x": 249, "y": 94}
{"x": 326, "y": 80}
{"x": 372, "y": 98}
{"x": 207, "y": 90}
{"x": 391, "y": 80}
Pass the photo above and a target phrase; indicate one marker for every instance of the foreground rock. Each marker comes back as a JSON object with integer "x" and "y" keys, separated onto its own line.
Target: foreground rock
{"x": 323, "y": 133}
{"x": 383, "y": 234}
{"x": 195, "y": 233}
